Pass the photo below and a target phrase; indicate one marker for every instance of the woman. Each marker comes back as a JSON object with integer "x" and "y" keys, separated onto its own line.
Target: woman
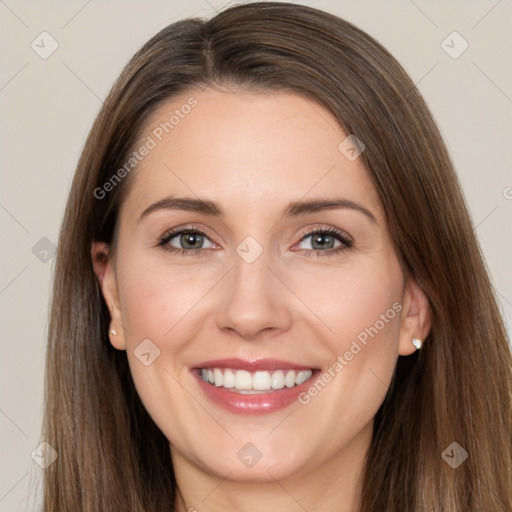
{"x": 268, "y": 293}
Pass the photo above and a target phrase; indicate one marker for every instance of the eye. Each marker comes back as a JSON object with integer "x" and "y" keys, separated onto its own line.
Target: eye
{"x": 188, "y": 241}
{"x": 325, "y": 242}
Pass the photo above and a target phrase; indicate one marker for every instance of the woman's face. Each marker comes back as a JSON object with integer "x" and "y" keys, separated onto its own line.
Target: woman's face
{"x": 285, "y": 272}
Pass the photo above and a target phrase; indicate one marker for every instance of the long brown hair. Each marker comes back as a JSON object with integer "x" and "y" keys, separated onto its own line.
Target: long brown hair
{"x": 458, "y": 388}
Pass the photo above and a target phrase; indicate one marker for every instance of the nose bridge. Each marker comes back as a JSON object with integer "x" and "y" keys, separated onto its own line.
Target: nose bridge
{"x": 251, "y": 268}
{"x": 253, "y": 299}
{"x": 251, "y": 279}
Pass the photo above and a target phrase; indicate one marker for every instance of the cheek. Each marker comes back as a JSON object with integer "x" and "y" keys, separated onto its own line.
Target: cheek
{"x": 359, "y": 302}
{"x": 159, "y": 319}
{"x": 156, "y": 298}
{"x": 360, "y": 310}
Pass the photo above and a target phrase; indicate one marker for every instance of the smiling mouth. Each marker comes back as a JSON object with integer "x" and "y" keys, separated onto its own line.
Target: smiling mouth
{"x": 258, "y": 382}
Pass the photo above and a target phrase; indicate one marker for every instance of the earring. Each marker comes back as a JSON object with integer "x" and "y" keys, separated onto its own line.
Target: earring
{"x": 113, "y": 332}
{"x": 417, "y": 343}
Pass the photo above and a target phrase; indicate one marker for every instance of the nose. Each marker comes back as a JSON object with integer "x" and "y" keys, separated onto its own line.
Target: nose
{"x": 254, "y": 301}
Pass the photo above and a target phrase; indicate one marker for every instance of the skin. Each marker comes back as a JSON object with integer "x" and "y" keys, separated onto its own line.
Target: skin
{"x": 253, "y": 154}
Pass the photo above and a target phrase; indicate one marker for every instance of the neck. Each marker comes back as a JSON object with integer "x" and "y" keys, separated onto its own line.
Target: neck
{"x": 332, "y": 485}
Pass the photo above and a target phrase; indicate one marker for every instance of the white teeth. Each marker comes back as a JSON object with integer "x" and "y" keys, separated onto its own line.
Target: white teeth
{"x": 246, "y": 382}
{"x": 278, "y": 379}
{"x": 217, "y": 375}
{"x": 289, "y": 380}
{"x": 243, "y": 380}
{"x": 302, "y": 376}
{"x": 229, "y": 379}
{"x": 261, "y": 381}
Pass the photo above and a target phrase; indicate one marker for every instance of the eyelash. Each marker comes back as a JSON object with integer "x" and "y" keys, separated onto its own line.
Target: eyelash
{"x": 345, "y": 241}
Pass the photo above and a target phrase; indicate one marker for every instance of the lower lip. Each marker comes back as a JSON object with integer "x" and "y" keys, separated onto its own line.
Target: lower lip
{"x": 261, "y": 403}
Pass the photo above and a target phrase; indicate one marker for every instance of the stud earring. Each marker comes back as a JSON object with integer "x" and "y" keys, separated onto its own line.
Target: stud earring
{"x": 113, "y": 332}
{"x": 417, "y": 343}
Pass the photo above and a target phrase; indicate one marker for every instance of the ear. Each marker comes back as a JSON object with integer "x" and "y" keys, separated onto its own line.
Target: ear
{"x": 416, "y": 317}
{"x": 104, "y": 270}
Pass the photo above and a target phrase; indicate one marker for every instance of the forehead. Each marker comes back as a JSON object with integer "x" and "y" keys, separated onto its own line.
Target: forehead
{"x": 248, "y": 150}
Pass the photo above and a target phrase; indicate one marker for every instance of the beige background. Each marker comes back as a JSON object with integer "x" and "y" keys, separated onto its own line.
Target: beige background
{"x": 48, "y": 105}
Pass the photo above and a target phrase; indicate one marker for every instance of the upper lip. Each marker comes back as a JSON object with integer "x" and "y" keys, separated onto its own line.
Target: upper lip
{"x": 252, "y": 366}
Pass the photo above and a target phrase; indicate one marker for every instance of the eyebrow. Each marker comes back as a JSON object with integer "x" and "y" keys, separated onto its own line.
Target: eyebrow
{"x": 294, "y": 209}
